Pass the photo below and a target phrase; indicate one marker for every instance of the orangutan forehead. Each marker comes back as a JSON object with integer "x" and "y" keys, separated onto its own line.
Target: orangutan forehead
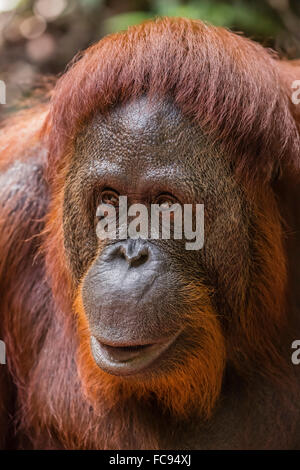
{"x": 154, "y": 129}
{"x": 149, "y": 146}
{"x": 146, "y": 115}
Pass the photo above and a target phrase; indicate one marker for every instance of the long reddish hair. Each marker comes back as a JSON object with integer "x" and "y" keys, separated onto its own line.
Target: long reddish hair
{"x": 233, "y": 88}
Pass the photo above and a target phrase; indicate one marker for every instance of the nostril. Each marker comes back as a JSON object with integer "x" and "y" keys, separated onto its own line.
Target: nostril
{"x": 134, "y": 255}
{"x": 138, "y": 260}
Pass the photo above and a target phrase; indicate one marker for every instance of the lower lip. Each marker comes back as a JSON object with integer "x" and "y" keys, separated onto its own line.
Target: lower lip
{"x": 127, "y": 361}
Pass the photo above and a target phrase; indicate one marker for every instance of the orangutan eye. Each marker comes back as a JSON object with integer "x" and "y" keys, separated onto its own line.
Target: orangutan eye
{"x": 109, "y": 196}
{"x": 165, "y": 201}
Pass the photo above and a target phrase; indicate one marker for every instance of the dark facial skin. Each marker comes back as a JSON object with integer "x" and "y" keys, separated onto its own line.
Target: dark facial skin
{"x": 133, "y": 290}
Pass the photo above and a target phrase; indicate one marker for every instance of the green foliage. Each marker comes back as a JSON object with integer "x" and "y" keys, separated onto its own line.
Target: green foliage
{"x": 124, "y": 20}
{"x": 252, "y": 17}
{"x": 90, "y": 4}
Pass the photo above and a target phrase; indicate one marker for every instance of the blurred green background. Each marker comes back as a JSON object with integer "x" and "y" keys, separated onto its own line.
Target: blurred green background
{"x": 41, "y": 36}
